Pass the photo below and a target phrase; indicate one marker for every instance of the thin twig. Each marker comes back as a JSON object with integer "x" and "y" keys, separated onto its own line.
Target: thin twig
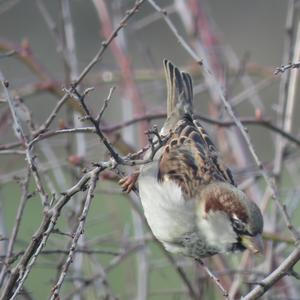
{"x": 111, "y": 128}
{"x": 181, "y": 40}
{"x": 12, "y": 152}
{"x": 214, "y": 278}
{"x": 77, "y": 234}
{"x": 113, "y": 263}
{"x": 106, "y": 142}
{"x": 105, "y": 104}
{"x": 52, "y": 26}
{"x": 282, "y": 122}
{"x": 15, "y": 231}
{"x": 97, "y": 58}
{"x": 22, "y": 137}
{"x": 7, "y": 54}
{"x": 284, "y": 68}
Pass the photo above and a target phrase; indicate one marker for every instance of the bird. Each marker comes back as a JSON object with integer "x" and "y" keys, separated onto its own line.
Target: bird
{"x": 189, "y": 196}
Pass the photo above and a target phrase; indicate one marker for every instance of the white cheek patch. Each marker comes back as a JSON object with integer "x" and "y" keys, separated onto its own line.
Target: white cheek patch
{"x": 217, "y": 229}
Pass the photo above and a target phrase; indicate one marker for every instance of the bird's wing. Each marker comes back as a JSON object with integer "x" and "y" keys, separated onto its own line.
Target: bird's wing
{"x": 214, "y": 155}
{"x": 190, "y": 159}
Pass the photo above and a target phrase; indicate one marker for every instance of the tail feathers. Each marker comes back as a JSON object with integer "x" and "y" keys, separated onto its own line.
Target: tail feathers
{"x": 186, "y": 97}
{"x": 179, "y": 90}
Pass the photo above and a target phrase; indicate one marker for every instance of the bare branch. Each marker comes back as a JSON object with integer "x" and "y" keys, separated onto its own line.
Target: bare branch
{"x": 97, "y": 58}
{"x": 22, "y": 137}
{"x": 181, "y": 40}
{"x": 79, "y": 231}
{"x": 12, "y": 239}
{"x": 214, "y": 278}
{"x": 106, "y": 101}
{"x": 284, "y": 68}
{"x": 282, "y": 270}
{"x": 39, "y": 239}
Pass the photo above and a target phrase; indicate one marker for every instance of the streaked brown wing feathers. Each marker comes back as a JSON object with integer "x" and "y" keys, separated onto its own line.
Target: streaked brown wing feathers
{"x": 226, "y": 173}
{"x": 190, "y": 159}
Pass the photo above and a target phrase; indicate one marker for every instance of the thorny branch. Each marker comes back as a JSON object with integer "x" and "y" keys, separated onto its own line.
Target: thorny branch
{"x": 17, "y": 265}
{"x": 39, "y": 239}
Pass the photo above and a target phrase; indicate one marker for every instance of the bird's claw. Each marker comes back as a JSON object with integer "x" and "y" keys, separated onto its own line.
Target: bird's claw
{"x": 127, "y": 183}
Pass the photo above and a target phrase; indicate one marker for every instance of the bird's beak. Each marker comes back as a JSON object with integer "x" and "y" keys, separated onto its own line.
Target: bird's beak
{"x": 253, "y": 243}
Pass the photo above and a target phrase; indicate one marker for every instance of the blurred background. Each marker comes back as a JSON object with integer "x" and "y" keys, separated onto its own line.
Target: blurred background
{"x": 44, "y": 47}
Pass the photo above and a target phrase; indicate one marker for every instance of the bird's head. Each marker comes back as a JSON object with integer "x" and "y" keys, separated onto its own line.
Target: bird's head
{"x": 229, "y": 220}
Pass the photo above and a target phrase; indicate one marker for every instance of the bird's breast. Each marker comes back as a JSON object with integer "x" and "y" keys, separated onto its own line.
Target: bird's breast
{"x": 168, "y": 214}
{"x": 181, "y": 224}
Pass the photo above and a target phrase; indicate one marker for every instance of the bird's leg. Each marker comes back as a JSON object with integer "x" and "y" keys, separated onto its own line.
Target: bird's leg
{"x": 127, "y": 183}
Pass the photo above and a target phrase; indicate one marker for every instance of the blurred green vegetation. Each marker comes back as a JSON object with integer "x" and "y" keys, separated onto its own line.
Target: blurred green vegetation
{"x": 109, "y": 221}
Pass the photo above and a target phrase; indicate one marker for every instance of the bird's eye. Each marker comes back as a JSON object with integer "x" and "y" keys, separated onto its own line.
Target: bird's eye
{"x": 238, "y": 225}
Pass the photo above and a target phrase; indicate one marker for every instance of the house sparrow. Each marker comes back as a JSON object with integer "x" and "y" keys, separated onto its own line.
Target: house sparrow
{"x": 189, "y": 197}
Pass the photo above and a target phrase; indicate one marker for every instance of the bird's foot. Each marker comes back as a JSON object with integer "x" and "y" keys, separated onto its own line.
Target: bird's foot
{"x": 127, "y": 183}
